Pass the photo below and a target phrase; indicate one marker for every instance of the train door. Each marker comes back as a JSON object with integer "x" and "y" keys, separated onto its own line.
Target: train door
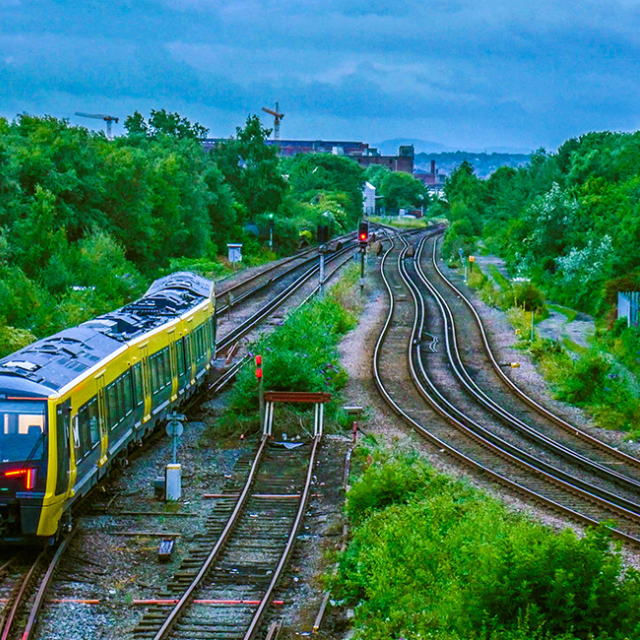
{"x": 211, "y": 342}
{"x": 63, "y": 437}
{"x": 174, "y": 365}
{"x": 102, "y": 421}
{"x": 146, "y": 381}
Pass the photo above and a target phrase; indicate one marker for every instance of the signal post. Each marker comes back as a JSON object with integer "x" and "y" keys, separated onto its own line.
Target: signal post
{"x": 363, "y": 238}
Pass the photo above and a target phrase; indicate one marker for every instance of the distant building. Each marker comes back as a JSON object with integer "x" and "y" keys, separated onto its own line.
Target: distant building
{"x": 403, "y": 162}
{"x": 358, "y": 151}
{"x": 368, "y": 199}
{"x": 292, "y": 147}
{"x": 434, "y": 180}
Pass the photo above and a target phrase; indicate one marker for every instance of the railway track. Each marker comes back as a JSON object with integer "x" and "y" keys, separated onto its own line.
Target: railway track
{"x": 235, "y": 294}
{"x": 225, "y": 586}
{"x": 24, "y": 580}
{"x": 427, "y": 409}
{"x": 481, "y": 358}
{"x": 244, "y": 327}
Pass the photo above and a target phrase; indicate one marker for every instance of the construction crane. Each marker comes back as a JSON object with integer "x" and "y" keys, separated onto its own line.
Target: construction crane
{"x": 100, "y": 116}
{"x": 276, "y": 125}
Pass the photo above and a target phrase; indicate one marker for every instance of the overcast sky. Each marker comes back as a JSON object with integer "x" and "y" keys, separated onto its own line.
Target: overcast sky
{"x": 466, "y": 74}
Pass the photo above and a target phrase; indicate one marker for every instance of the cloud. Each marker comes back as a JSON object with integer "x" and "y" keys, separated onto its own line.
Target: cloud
{"x": 533, "y": 73}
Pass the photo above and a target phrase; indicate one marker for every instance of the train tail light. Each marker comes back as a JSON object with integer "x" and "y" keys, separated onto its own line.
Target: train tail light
{"x": 30, "y": 476}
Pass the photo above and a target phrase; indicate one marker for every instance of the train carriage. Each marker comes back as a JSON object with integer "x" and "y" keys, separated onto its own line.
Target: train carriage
{"x": 72, "y": 404}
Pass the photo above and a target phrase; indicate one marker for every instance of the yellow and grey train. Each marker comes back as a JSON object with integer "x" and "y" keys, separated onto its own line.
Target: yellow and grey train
{"x": 74, "y": 403}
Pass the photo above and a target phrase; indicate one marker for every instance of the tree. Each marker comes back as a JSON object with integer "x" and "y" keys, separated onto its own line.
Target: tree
{"x": 135, "y": 124}
{"x": 163, "y": 122}
{"x": 172, "y": 124}
{"x": 375, "y": 174}
{"x": 313, "y": 178}
{"x": 250, "y": 166}
{"x": 403, "y": 191}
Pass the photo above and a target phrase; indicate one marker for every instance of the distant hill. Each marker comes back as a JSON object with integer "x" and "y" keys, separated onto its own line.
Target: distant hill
{"x": 484, "y": 164}
{"x": 390, "y": 147}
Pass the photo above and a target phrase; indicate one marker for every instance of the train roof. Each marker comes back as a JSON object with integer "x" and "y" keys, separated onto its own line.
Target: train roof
{"x": 50, "y": 364}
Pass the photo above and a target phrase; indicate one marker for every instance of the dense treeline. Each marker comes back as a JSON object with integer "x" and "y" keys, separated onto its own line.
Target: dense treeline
{"x": 569, "y": 223}
{"x": 569, "y": 220}
{"x": 86, "y": 222}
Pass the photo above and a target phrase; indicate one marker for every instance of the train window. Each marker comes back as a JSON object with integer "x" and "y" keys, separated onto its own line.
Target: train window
{"x": 198, "y": 343}
{"x": 86, "y": 433}
{"x": 155, "y": 383}
{"x": 76, "y": 434}
{"x": 138, "y": 386}
{"x": 212, "y": 333}
{"x": 113, "y": 405}
{"x": 22, "y": 428}
{"x": 166, "y": 360}
{"x": 122, "y": 402}
{"x": 63, "y": 415}
{"x": 94, "y": 427}
{"x": 189, "y": 351}
{"x": 128, "y": 398}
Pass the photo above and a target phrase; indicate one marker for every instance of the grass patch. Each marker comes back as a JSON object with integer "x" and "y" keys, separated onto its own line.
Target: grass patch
{"x": 571, "y": 345}
{"x": 593, "y": 382}
{"x": 402, "y": 223}
{"x": 502, "y": 282}
{"x": 570, "y": 314}
{"x": 431, "y": 557}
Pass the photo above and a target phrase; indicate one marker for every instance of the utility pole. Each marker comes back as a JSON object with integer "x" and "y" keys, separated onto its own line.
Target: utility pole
{"x": 260, "y": 389}
{"x": 532, "y": 331}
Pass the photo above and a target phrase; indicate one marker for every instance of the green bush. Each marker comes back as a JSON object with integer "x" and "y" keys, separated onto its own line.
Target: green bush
{"x": 442, "y": 560}
{"x": 588, "y": 379}
{"x": 383, "y": 485}
{"x": 523, "y": 294}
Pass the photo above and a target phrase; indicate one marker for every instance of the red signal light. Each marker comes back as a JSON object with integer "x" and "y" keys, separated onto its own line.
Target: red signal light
{"x": 30, "y": 476}
{"x": 363, "y": 233}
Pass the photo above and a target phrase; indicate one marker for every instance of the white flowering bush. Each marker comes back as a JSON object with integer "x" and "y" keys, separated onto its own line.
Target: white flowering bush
{"x": 547, "y": 218}
{"x": 583, "y": 268}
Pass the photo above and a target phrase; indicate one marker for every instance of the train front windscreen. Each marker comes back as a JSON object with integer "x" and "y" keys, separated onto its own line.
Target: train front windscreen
{"x": 22, "y": 430}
